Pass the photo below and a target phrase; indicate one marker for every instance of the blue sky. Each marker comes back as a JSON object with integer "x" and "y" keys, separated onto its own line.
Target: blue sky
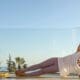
{"x": 39, "y": 13}
{"x": 36, "y": 45}
{"x": 39, "y": 29}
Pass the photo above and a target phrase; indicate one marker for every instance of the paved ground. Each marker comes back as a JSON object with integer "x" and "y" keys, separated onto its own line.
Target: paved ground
{"x": 44, "y": 78}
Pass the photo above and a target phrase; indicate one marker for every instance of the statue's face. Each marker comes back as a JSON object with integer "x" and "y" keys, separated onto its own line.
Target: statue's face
{"x": 78, "y": 61}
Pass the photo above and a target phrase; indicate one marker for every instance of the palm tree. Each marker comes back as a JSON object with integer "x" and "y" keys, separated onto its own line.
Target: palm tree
{"x": 25, "y": 66}
{"x": 20, "y": 62}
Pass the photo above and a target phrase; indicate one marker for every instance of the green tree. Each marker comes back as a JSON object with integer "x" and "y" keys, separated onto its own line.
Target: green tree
{"x": 25, "y": 66}
{"x": 20, "y": 62}
{"x": 11, "y": 64}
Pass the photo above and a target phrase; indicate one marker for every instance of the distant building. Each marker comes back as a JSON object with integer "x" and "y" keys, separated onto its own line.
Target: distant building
{"x": 3, "y": 69}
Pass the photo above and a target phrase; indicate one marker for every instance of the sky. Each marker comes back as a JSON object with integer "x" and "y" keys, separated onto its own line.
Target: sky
{"x": 38, "y": 29}
{"x": 39, "y": 13}
{"x": 37, "y": 45}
